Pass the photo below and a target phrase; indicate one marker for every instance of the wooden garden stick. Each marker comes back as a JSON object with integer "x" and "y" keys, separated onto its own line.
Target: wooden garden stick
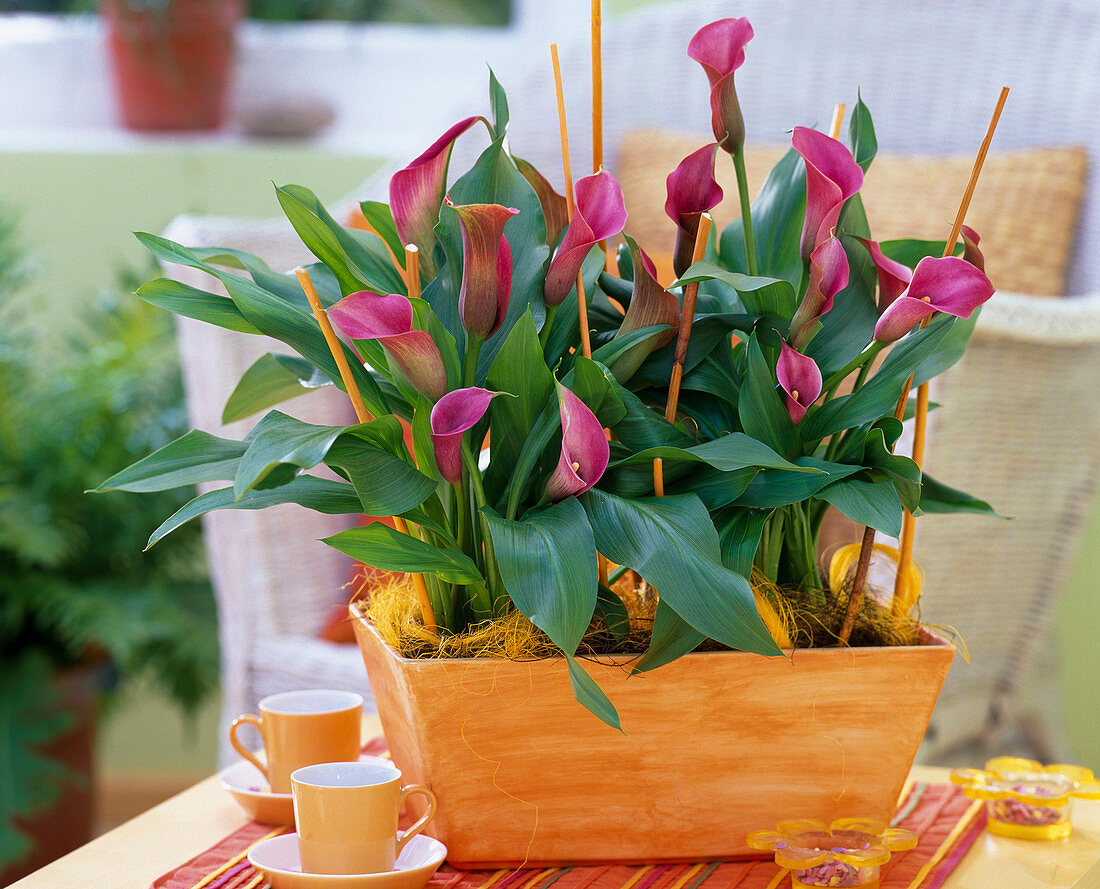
{"x": 838, "y": 119}
{"x": 905, "y": 554}
{"x": 597, "y": 87}
{"x": 570, "y": 204}
{"x": 683, "y": 335}
{"x": 364, "y": 416}
{"x": 905, "y": 546}
{"x": 412, "y": 270}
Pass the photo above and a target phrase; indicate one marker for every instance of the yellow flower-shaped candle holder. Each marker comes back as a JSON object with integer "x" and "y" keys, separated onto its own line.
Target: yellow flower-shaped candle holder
{"x": 848, "y": 852}
{"x": 1027, "y": 799}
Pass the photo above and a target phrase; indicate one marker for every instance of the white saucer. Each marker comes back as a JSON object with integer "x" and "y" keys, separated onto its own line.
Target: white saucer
{"x": 247, "y": 785}
{"x": 278, "y": 860}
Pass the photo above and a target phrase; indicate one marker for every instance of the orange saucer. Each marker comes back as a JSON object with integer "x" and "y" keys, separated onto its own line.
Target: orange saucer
{"x": 278, "y": 860}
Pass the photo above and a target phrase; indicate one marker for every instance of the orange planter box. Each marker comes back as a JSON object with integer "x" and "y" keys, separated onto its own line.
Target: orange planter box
{"x": 715, "y": 744}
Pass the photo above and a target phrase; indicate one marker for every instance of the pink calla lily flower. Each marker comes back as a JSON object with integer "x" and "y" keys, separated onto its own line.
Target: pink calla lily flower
{"x": 554, "y": 207}
{"x": 454, "y": 414}
{"x": 692, "y": 190}
{"x": 416, "y": 193}
{"x": 971, "y": 252}
{"x": 486, "y": 267}
{"x": 832, "y": 176}
{"x": 893, "y": 276}
{"x": 584, "y": 449}
{"x": 600, "y": 214}
{"x": 720, "y": 48}
{"x": 389, "y": 319}
{"x": 650, "y": 304}
{"x": 828, "y": 276}
{"x": 950, "y": 285}
{"x": 800, "y": 378}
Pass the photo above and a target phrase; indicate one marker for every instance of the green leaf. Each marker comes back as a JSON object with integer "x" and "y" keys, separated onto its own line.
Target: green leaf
{"x": 548, "y": 564}
{"x": 759, "y": 295}
{"x": 938, "y": 498}
{"x": 861, "y": 134}
{"x": 498, "y": 101}
{"x": 672, "y": 543}
{"x": 321, "y": 495}
{"x": 359, "y": 259}
{"x": 195, "y": 457}
{"x": 950, "y": 349}
{"x": 595, "y": 385}
{"x": 380, "y": 218}
{"x": 610, "y": 609}
{"x": 763, "y": 415}
{"x": 910, "y": 251}
{"x": 271, "y": 380}
{"x": 878, "y": 455}
{"x": 383, "y": 547}
{"x": 778, "y": 487}
{"x": 672, "y": 637}
{"x": 739, "y": 532}
{"x": 727, "y": 453}
{"x": 875, "y": 504}
{"x": 282, "y": 445}
{"x": 590, "y": 695}
{"x": 190, "y": 302}
{"x": 386, "y": 483}
{"x": 850, "y": 325}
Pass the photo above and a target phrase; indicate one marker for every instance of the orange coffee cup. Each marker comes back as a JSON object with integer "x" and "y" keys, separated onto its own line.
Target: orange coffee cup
{"x": 346, "y": 814}
{"x": 300, "y": 728}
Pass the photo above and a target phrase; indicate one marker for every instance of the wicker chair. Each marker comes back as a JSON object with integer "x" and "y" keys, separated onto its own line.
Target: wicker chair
{"x": 996, "y": 583}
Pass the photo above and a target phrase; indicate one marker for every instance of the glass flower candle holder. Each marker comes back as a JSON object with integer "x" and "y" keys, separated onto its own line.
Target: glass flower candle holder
{"x": 848, "y": 852}
{"x": 1025, "y": 798}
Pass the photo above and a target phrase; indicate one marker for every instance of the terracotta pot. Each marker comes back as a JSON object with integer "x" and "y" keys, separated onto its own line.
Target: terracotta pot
{"x": 172, "y": 64}
{"x": 715, "y": 744}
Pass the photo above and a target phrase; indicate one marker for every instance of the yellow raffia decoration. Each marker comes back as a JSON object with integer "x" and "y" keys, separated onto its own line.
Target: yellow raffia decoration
{"x": 910, "y": 581}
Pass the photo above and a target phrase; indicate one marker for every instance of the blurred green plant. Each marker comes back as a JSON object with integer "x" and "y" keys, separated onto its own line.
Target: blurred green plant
{"x": 74, "y": 586}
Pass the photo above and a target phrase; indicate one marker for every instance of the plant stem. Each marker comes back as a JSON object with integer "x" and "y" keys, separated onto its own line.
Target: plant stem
{"x": 492, "y": 572}
{"x": 617, "y": 574}
{"x": 746, "y": 210}
{"x": 544, "y": 334}
{"x": 469, "y": 368}
{"x": 837, "y": 440}
{"x": 863, "y": 358}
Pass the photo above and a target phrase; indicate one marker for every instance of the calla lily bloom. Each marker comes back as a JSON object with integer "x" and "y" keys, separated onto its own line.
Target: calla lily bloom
{"x": 600, "y": 214}
{"x": 389, "y": 319}
{"x": 800, "y": 379}
{"x": 584, "y": 449}
{"x": 720, "y": 48}
{"x": 832, "y": 176}
{"x": 950, "y": 285}
{"x": 893, "y": 276}
{"x": 555, "y": 210}
{"x": 452, "y": 416}
{"x": 828, "y": 276}
{"x": 650, "y": 304}
{"x": 692, "y": 190}
{"x": 416, "y": 193}
{"x": 971, "y": 252}
{"x": 486, "y": 267}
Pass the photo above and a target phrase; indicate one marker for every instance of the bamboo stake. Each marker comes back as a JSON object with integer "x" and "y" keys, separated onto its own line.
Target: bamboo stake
{"x": 905, "y": 549}
{"x": 364, "y": 416}
{"x": 908, "y": 529}
{"x": 570, "y": 204}
{"x": 597, "y": 87}
{"x": 412, "y": 270}
{"x": 838, "y": 119}
{"x": 683, "y": 335}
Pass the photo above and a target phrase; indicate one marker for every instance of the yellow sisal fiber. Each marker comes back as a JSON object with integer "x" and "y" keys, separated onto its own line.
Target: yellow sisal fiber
{"x": 912, "y": 579}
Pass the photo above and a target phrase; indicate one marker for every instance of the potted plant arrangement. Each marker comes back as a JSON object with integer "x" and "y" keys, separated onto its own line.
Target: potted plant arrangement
{"x": 172, "y": 60}
{"x": 659, "y": 461}
{"x": 80, "y": 616}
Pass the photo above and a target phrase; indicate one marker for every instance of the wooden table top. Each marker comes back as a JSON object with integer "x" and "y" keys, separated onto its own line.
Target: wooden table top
{"x": 133, "y": 855}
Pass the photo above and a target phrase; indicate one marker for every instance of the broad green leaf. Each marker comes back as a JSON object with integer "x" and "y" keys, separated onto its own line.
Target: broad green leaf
{"x": 590, "y": 695}
{"x": 271, "y": 380}
{"x": 672, "y": 638}
{"x": 548, "y": 564}
{"x": 861, "y": 134}
{"x": 850, "y": 325}
{"x": 284, "y": 285}
{"x": 498, "y": 101}
{"x": 878, "y": 455}
{"x": 322, "y": 495}
{"x": 739, "y": 532}
{"x": 950, "y": 349}
{"x": 595, "y": 385}
{"x": 195, "y": 457}
{"x": 282, "y": 445}
{"x": 672, "y": 543}
{"x": 381, "y": 546}
{"x": 380, "y": 218}
{"x": 386, "y": 484}
{"x": 643, "y": 427}
{"x": 610, "y": 608}
{"x": 779, "y": 487}
{"x": 763, "y": 415}
{"x": 359, "y": 259}
{"x": 759, "y": 295}
{"x": 938, "y": 498}
{"x": 728, "y": 453}
{"x": 875, "y": 504}
{"x": 190, "y": 302}
{"x": 910, "y": 251}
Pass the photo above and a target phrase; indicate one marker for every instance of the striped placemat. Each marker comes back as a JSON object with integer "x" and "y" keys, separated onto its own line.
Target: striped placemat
{"x": 945, "y": 822}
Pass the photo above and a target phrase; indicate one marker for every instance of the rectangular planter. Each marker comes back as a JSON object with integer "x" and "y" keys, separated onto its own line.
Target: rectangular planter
{"x": 715, "y": 744}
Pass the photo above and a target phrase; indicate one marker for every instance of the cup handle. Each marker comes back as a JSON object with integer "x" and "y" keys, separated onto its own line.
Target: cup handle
{"x": 406, "y": 792}
{"x": 257, "y": 723}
